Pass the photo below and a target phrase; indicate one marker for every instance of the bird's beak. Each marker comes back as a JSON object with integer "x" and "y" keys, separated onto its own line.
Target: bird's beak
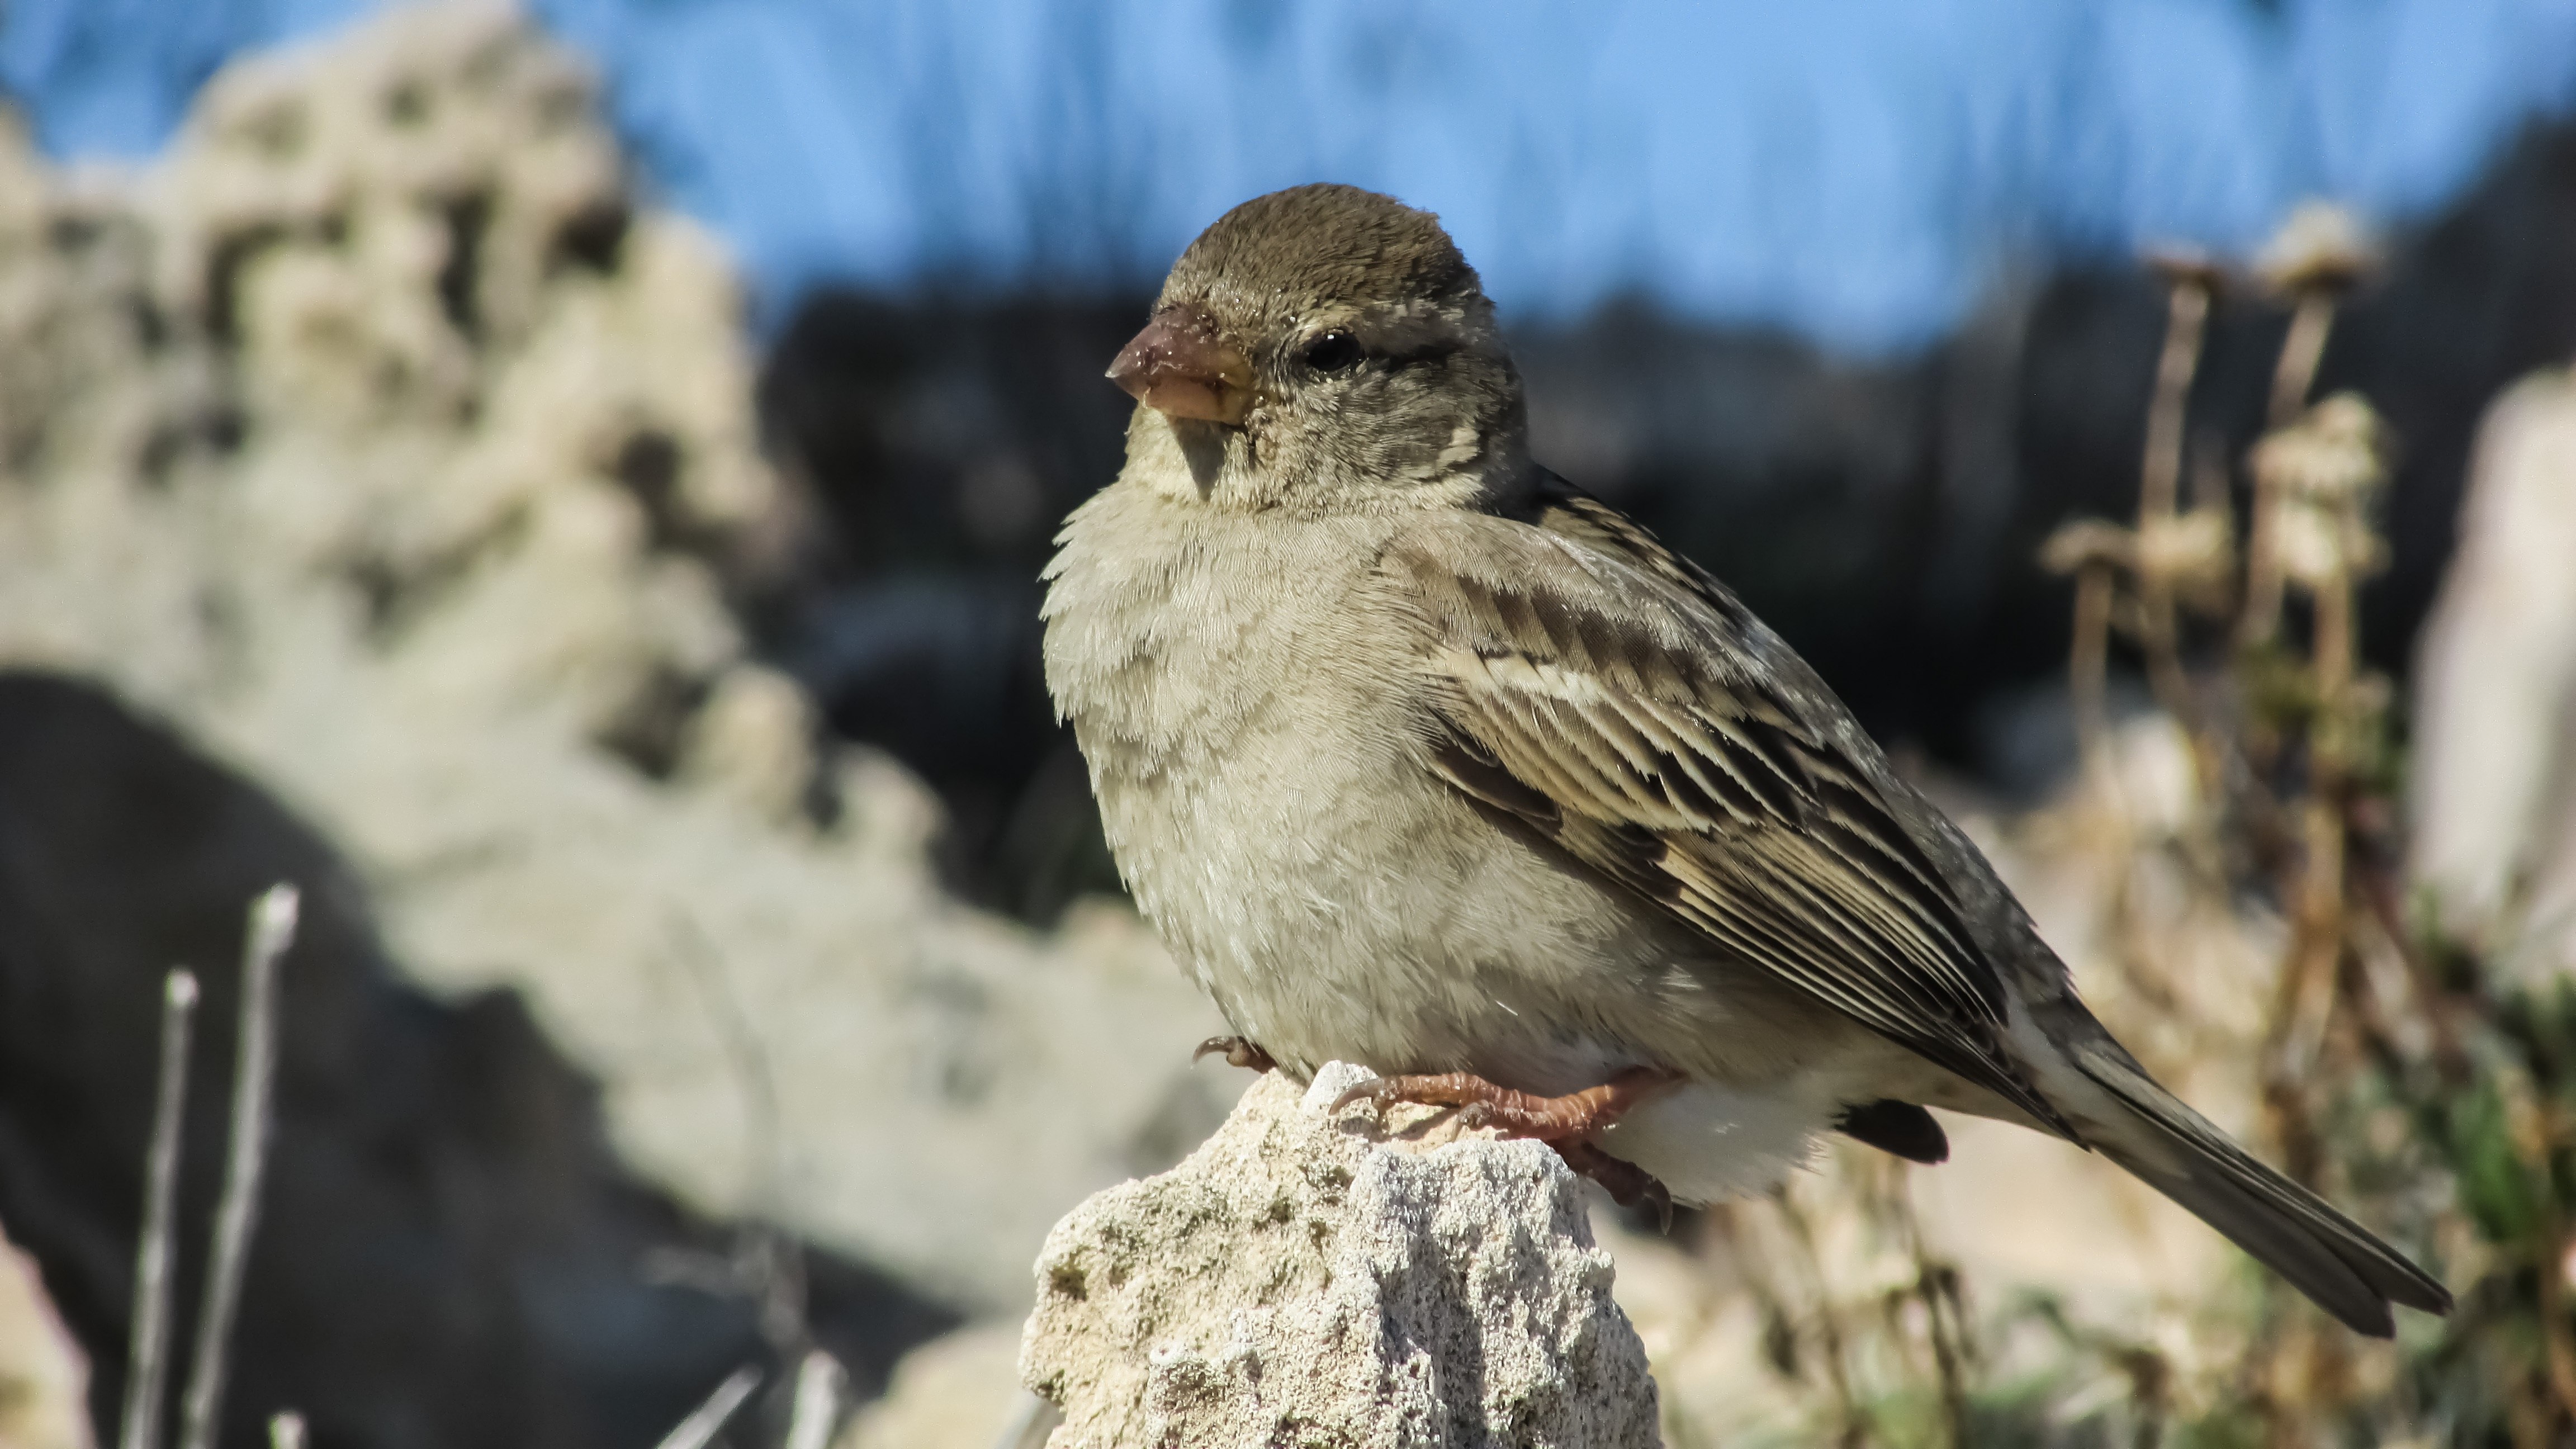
{"x": 1179, "y": 367}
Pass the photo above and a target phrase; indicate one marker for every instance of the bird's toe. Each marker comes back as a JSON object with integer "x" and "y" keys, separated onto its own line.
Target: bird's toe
{"x": 1239, "y": 1051}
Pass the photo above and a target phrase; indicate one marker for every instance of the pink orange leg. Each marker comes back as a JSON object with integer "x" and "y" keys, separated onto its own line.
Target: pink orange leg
{"x": 1519, "y": 1114}
{"x": 1568, "y": 1123}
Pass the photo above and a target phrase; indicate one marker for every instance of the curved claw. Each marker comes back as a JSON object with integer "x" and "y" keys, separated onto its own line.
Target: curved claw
{"x": 1239, "y": 1052}
{"x": 1627, "y": 1183}
{"x": 1566, "y": 1123}
{"x": 1380, "y": 1090}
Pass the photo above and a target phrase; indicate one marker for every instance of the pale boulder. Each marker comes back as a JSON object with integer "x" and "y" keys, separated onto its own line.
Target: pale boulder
{"x": 1306, "y": 1277}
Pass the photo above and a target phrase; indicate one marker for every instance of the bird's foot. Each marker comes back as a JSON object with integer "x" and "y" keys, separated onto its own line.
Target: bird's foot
{"x": 1239, "y": 1052}
{"x": 1574, "y": 1116}
{"x": 1626, "y": 1182}
{"x": 1567, "y": 1124}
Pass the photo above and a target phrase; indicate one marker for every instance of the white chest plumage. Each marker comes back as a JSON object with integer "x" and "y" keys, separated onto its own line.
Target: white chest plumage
{"x": 1238, "y": 750}
{"x": 1222, "y": 747}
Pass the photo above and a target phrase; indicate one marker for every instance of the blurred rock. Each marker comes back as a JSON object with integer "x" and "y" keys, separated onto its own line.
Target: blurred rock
{"x": 44, "y": 1380}
{"x": 961, "y": 1391}
{"x": 1306, "y": 1274}
{"x": 2493, "y": 788}
{"x": 380, "y": 443}
{"x": 448, "y": 1252}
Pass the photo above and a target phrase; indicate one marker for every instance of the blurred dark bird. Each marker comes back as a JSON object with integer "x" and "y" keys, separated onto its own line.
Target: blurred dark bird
{"x": 1421, "y": 758}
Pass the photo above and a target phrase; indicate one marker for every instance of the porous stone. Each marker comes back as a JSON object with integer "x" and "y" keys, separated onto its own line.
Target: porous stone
{"x": 1309, "y": 1278}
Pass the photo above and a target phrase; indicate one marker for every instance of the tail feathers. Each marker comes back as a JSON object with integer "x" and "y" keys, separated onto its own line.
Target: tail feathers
{"x": 2329, "y": 1257}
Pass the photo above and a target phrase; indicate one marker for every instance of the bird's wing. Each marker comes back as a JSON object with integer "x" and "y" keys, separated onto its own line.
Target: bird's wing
{"x": 1617, "y": 701}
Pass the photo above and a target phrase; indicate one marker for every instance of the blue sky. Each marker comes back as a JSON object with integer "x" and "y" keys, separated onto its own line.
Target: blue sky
{"x": 1853, "y": 170}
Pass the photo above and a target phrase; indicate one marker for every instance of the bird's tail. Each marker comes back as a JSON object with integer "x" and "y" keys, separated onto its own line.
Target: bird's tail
{"x": 2329, "y": 1257}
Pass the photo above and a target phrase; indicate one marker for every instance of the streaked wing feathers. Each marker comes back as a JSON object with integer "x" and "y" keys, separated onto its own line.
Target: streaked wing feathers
{"x": 1643, "y": 743}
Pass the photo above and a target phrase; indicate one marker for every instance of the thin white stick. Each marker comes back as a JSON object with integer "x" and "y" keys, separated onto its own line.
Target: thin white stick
{"x": 286, "y": 1431}
{"x": 696, "y": 1430}
{"x": 819, "y": 1382}
{"x": 1032, "y": 1424}
{"x": 144, "y": 1368}
{"x": 272, "y": 930}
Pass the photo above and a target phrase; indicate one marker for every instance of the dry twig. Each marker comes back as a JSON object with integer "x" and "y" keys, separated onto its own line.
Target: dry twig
{"x": 145, "y": 1364}
{"x": 821, "y": 1388}
{"x": 272, "y": 930}
{"x": 702, "y": 1425}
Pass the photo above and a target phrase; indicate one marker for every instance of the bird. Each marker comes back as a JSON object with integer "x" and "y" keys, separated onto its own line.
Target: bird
{"x": 1421, "y": 758}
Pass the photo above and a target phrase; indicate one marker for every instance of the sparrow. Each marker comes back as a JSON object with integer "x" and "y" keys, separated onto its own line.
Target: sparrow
{"x": 1419, "y": 757}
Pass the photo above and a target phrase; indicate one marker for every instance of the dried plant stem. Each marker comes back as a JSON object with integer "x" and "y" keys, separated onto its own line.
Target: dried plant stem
{"x": 2293, "y": 376}
{"x": 2306, "y": 1001}
{"x": 2535, "y": 1135}
{"x": 2088, "y": 675}
{"x": 2303, "y": 1007}
{"x": 2440, "y": 1010}
{"x": 2321, "y": 899}
{"x": 2261, "y": 617}
{"x": 703, "y": 1423}
{"x": 2160, "y": 475}
{"x": 2159, "y": 501}
{"x": 272, "y": 930}
{"x": 1829, "y": 1326}
{"x": 1936, "y": 1287}
{"x": 819, "y": 1391}
{"x": 145, "y": 1356}
{"x": 2160, "y": 491}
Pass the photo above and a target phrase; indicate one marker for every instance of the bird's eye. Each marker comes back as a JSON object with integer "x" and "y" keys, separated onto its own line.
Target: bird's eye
{"x": 1333, "y": 352}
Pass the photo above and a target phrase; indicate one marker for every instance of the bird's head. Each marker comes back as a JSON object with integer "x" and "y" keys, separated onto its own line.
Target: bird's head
{"x": 1324, "y": 349}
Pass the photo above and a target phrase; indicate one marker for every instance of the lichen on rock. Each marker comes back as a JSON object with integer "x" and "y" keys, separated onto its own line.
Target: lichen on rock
{"x": 1326, "y": 1279}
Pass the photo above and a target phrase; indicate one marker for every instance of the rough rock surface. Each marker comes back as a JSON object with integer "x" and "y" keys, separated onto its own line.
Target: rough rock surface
{"x": 378, "y": 440}
{"x": 1307, "y": 1279}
